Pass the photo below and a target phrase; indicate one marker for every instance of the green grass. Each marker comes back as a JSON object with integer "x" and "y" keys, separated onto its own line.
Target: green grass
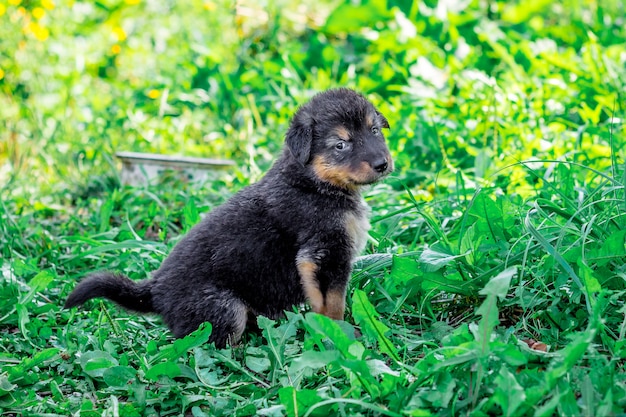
{"x": 494, "y": 279}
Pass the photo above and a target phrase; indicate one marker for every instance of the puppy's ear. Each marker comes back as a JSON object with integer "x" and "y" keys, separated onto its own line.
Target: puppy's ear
{"x": 383, "y": 120}
{"x": 300, "y": 136}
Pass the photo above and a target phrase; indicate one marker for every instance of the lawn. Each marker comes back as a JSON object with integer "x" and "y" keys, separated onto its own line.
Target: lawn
{"x": 494, "y": 279}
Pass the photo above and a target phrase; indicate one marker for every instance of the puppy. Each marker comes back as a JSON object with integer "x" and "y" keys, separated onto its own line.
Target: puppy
{"x": 289, "y": 238}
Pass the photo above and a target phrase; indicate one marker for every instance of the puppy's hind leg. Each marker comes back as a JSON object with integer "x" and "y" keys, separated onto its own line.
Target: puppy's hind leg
{"x": 235, "y": 320}
{"x": 226, "y": 313}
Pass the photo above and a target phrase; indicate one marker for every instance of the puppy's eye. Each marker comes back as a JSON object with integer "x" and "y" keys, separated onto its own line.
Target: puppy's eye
{"x": 375, "y": 130}
{"x": 342, "y": 146}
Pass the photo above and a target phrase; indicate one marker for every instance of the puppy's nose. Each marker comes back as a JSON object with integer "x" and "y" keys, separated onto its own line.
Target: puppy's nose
{"x": 380, "y": 165}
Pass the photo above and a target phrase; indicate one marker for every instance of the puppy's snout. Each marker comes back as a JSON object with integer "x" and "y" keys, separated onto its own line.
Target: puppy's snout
{"x": 380, "y": 165}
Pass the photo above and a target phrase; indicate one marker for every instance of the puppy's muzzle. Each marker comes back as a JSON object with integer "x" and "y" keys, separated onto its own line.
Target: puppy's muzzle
{"x": 380, "y": 165}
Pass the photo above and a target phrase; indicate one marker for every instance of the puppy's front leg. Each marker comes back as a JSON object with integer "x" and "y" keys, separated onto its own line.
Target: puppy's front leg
{"x": 307, "y": 269}
{"x": 335, "y": 303}
{"x": 323, "y": 283}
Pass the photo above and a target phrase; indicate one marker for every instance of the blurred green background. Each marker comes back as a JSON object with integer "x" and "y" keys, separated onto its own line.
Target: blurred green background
{"x": 468, "y": 86}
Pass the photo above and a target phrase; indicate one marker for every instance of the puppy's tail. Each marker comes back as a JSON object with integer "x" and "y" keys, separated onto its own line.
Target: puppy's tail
{"x": 122, "y": 290}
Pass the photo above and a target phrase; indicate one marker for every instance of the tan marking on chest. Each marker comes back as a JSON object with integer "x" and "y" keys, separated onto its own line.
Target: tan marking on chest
{"x": 357, "y": 227}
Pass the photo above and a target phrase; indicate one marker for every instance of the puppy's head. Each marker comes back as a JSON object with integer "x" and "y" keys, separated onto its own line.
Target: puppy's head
{"x": 338, "y": 137}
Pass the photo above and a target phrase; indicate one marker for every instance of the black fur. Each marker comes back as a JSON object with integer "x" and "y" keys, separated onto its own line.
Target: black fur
{"x": 130, "y": 294}
{"x": 249, "y": 255}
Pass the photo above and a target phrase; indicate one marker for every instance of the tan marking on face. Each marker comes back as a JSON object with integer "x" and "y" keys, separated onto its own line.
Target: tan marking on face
{"x": 339, "y": 176}
{"x": 335, "y": 304}
{"x": 343, "y": 176}
{"x": 369, "y": 120}
{"x": 342, "y": 133}
{"x": 364, "y": 174}
{"x": 310, "y": 286}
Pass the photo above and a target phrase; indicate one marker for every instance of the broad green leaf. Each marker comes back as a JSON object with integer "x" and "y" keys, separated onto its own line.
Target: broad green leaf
{"x": 168, "y": 369}
{"x": 5, "y": 385}
{"x": 27, "y": 364}
{"x": 587, "y": 276}
{"x": 508, "y": 394}
{"x": 614, "y": 246}
{"x": 564, "y": 360}
{"x": 96, "y": 362}
{"x": 362, "y": 376}
{"x": 256, "y": 359}
{"x": 39, "y": 282}
{"x": 298, "y": 402}
{"x": 329, "y": 328}
{"x": 470, "y": 245}
{"x": 569, "y": 356}
{"x": 417, "y": 413}
{"x": 605, "y": 407}
{"x": 129, "y": 410}
{"x": 179, "y": 347}
{"x": 105, "y": 214}
{"x": 434, "y": 260}
{"x": 119, "y": 376}
{"x": 378, "y": 367}
{"x": 491, "y": 219}
{"x": 553, "y": 252}
{"x": 366, "y": 316}
{"x": 277, "y": 336}
{"x": 548, "y": 408}
{"x": 497, "y": 287}
{"x": 347, "y": 17}
{"x": 190, "y": 215}
{"x": 568, "y": 405}
{"x": 404, "y": 272}
{"x": 519, "y": 12}
{"x": 22, "y": 318}
{"x": 442, "y": 392}
{"x": 56, "y": 391}
{"x": 444, "y": 281}
{"x": 468, "y": 352}
{"x": 311, "y": 359}
{"x": 511, "y": 354}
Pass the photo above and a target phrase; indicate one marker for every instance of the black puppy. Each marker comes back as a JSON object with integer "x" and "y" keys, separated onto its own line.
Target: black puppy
{"x": 290, "y": 237}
